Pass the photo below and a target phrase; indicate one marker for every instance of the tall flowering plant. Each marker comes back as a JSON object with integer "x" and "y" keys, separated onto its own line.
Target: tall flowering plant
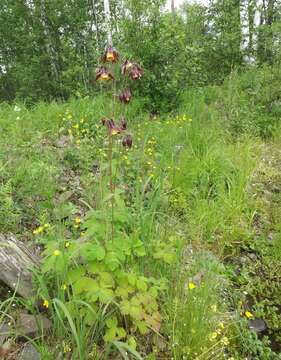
{"x": 117, "y": 128}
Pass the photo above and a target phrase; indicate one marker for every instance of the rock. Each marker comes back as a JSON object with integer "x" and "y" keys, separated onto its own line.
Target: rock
{"x": 29, "y": 353}
{"x": 258, "y": 325}
{"x": 16, "y": 262}
{"x": 62, "y": 141}
{"x": 30, "y": 325}
{"x": 4, "y": 333}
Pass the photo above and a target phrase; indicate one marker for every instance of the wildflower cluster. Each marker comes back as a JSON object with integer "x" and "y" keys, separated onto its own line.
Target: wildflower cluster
{"x": 103, "y": 73}
{"x": 41, "y": 229}
{"x": 75, "y": 128}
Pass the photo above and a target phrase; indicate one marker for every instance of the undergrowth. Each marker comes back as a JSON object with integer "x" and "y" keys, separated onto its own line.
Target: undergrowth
{"x": 196, "y": 250}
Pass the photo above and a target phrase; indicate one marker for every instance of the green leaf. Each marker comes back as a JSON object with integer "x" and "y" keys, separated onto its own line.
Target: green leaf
{"x": 132, "y": 278}
{"x": 106, "y": 279}
{"x": 85, "y": 284}
{"x": 92, "y": 252}
{"x": 112, "y": 322}
{"x": 75, "y": 274}
{"x": 141, "y": 284}
{"x": 142, "y": 327}
{"x": 112, "y": 261}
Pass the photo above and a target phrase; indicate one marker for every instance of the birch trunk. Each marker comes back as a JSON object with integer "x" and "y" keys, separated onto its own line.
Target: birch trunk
{"x": 108, "y": 22}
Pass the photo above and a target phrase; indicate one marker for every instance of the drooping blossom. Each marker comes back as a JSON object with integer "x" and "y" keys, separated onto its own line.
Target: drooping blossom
{"x": 127, "y": 141}
{"x": 110, "y": 55}
{"x": 125, "y": 96}
{"x": 103, "y": 74}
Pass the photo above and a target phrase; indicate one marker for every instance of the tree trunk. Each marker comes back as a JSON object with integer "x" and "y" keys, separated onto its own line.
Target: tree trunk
{"x": 16, "y": 264}
{"x": 108, "y": 21}
{"x": 173, "y": 6}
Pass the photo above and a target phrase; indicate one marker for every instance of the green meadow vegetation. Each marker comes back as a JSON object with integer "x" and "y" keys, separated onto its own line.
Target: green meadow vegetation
{"x": 140, "y": 162}
{"x": 195, "y": 255}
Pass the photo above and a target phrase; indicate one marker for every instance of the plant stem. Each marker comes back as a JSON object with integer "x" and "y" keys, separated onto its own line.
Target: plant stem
{"x": 111, "y": 183}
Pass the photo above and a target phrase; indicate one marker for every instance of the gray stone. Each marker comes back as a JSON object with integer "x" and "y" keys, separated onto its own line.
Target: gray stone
{"x": 29, "y": 352}
{"x": 4, "y": 333}
{"x": 31, "y": 325}
{"x": 257, "y": 325}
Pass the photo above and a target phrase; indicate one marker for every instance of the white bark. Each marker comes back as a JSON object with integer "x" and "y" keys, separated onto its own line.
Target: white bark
{"x": 173, "y": 6}
{"x": 108, "y": 21}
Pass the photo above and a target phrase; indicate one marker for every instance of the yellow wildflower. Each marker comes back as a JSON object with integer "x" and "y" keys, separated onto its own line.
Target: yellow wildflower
{"x": 38, "y": 230}
{"x": 77, "y": 220}
{"x": 214, "y": 308}
{"x": 213, "y": 336}
{"x": 66, "y": 348}
{"x": 248, "y": 314}
{"x": 225, "y": 341}
{"x": 64, "y": 287}
{"x": 56, "y": 253}
{"x": 46, "y": 304}
{"x": 191, "y": 285}
{"x": 67, "y": 244}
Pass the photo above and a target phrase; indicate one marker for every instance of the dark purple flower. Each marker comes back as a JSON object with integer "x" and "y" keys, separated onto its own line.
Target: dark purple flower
{"x": 102, "y": 73}
{"x": 125, "y": 96}
{"x": 110, "y": 55}
{"x": 126, "y": 67}
{"x": 123, "y": 123}
{"x": 127, "y": 141}
{"x": 135, "y": 72}
{"x": 112, "y": 128}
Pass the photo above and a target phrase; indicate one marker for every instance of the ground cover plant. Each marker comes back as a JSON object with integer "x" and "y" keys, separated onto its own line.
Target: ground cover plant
{"x": 191, "y": 267}
{"x": 140, "y": 183}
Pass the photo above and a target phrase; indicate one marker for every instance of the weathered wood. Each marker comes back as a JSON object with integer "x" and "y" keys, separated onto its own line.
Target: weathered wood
{"x": 16, "y": 264}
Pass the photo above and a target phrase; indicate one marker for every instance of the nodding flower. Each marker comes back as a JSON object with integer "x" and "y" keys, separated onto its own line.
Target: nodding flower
{"x": 126, "y": 67}
{"x": 123, "y": 123}
{"x": 113, "y": 129}
{"x": 136, "y": 72}
{"x": 110, "y": 55}
{"x": 103, "y": 74}
{"x": 125, "y": 96}
{"x": 127, "y": 141}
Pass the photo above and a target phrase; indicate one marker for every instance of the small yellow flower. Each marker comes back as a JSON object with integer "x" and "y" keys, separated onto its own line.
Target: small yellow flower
{"x": 76, "y": 126}
{"x": 191, "y": 285}
{"x": 46, "y": 304}
{"x": 66, "y": 348}
{"x": 77, "y": 220}
{"x": 214, "y": 308}
{"x": 64, "y": 287}
{"x": 221, "y": 325}
{"x": 225, "y": 341}
{"x": 248, "y": 314}
{"x": 38, "y": 230}
{"x": 213, "y": 336}
{"x": 56, "y": 253}
{"x": 46, "y": 226}
{"x": 67, "y": 244}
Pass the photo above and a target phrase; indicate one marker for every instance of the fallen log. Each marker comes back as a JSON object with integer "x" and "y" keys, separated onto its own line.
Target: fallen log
{"x": 16, "y": 264}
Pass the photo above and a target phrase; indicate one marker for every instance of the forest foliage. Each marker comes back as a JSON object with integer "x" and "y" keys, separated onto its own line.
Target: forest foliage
{"x": 49, "y": 49}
